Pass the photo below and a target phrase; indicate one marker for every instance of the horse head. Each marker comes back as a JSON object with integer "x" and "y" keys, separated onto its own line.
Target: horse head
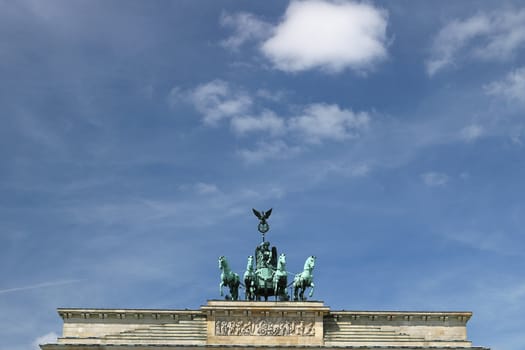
{"x": 309, "y": 263}
{"x": 222, "y": 262}
{"x": 281, "y": 262}
{"x": 249, "y": 264}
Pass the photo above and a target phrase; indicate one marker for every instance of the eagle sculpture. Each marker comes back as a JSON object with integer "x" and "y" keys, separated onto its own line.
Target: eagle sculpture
{"x": 263, "y": 215}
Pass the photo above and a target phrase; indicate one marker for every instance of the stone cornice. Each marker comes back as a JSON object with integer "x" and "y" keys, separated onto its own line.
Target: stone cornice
{"x": 83, "y": 313}
{"x": 101, "y": 313}
{"x": 255, "y": 306}
{"x": 462, "y": 316}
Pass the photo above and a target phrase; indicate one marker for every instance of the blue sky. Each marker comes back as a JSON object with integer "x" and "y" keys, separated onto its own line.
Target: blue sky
{"x": 136, "y": 137}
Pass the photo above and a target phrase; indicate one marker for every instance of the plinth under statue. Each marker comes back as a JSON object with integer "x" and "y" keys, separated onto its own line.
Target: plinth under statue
{"x": 289, "y": 322}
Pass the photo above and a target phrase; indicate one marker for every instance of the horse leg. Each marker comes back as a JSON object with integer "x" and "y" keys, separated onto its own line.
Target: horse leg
{"x": 235, "y": 292}
{"x": 282, "y": 293}
{"x": 250, "y": 292}
{"x": 249, "y": 289}
{"x": 220, "y": 288}
{"x": 312, "y": 285}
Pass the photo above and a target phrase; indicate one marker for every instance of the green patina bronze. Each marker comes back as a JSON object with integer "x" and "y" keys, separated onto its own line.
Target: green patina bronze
{"x": 304, "y": 280}
{"x": 269, "y": 276}
{"x": 280, "y": 278}
{"x": 229, "y": 279}
{"x": 249, "y": 280}
{"x": 263, "y": 226}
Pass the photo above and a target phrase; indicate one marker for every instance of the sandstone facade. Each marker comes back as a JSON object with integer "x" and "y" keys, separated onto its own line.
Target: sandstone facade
{"x": 254, "y": 325}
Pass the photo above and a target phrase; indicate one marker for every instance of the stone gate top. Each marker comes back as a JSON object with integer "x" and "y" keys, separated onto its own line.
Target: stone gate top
{"x": 252, "y": 324}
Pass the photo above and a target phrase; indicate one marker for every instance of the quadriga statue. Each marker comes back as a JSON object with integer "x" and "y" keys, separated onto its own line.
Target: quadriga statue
{"x": 269, "y": 276}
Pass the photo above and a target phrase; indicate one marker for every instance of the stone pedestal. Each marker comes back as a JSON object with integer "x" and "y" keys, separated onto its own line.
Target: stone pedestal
{"x": 265, "y": 323}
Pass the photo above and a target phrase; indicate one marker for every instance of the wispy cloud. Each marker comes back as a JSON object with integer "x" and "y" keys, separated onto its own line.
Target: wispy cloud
{"x": 453, "y": 37}
{"x": 206, "y": 188}
{"x": 471, "y": 132}
{"x": 511, "y": 88}
{"x": 267, "y": 121}
{"x": 490, "y": 241}
{"x": 491, "y": 37}
{"x": 215, "y": 100}
{"x": 202, "y": 188}
{"x": 434, "y": 179}
{"x": 352, "y": 169}
{"x": 246, "y": 27}
{"x": 277, "y": 149}
{"x": 36, "y": 130}
{"x": 48, "y": 338}
{"x": 39, "y": 285}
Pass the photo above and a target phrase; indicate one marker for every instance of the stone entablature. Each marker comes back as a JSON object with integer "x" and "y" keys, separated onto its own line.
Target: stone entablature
{"x": 253, "y": 324}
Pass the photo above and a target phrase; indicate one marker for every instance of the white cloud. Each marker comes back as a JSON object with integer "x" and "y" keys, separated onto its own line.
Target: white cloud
{"x": 471, "y": 132}
{"x": 312, "y": 124}
{"x": 246, "y": 27}
{"x": 328, "y": 122}
{"x": 269, "y": 150}
{"x": 266, "y": 122}
{"x": 491, "y": 37}
{"x": 217, "y": 100}
{"x": 511, "y": 88}
{"x": 329, "y": 35}
{"x": 434, "y": 179}
{"x": 48, "y": 338}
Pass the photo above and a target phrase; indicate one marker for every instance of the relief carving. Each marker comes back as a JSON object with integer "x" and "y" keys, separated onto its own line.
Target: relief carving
{"x": 274, "y": 327}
